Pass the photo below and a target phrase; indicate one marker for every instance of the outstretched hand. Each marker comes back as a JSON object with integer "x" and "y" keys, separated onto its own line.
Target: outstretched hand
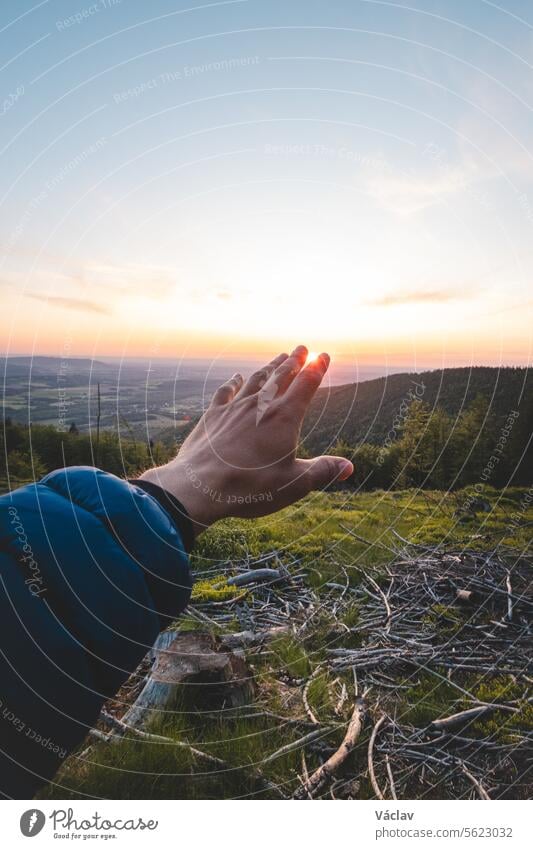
{"x": 240, "y": 459}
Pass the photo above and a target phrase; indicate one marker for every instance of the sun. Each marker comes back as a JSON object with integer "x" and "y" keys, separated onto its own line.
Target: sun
{"x": 311, "y": 356}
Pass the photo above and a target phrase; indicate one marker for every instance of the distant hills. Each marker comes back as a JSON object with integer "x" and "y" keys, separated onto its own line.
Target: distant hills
{"x": 50, "y": 368}
{"x": 367, "y": 411}
{"x": 155, "y": 397}
{"x": 50, "y": 362}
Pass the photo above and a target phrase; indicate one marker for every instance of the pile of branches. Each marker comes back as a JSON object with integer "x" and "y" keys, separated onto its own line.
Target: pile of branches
{"x": 463, "y": 611}
{"x": 275, "y": 595}
{"x": 451, "y": 614}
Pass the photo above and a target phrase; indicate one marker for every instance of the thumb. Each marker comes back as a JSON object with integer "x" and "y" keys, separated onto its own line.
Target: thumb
{"x": 322, "y": 471}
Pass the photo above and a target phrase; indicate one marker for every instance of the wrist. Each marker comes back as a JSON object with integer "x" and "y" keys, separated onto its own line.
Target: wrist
{"x": 202, "y": 505}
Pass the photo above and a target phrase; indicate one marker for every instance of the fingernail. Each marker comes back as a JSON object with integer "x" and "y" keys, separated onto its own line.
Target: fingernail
{"x": 325, "y": 358}
{"x": 346, "y": 469}
{"x": 300, "y": 351}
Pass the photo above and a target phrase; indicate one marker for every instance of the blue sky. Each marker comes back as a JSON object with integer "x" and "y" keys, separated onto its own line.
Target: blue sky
{"x": 234, "y": 177}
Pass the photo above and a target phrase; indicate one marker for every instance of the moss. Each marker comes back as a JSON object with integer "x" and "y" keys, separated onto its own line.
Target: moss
{"x": 214, "y": 589}
{"x": 428, "y": 699}
{"x": 447, "y": 620}
{"x": 502, "y": 724}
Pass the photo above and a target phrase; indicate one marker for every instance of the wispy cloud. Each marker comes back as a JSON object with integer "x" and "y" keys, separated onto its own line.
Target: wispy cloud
{"x": 71, "y": 303}
{"x": 436, "y": 183}
{"x": 148, "y": 281}
{"x": 115, "y": 281}
{"x": 423, "y": 296}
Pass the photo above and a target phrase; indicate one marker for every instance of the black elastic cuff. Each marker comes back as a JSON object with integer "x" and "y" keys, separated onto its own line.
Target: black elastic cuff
{"x": 175, "y": 508}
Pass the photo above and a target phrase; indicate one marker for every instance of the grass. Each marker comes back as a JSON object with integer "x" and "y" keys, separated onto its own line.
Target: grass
{"x": 313, "y": 531}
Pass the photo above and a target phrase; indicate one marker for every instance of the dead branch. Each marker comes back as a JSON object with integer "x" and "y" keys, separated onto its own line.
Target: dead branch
{"x": 296, "y": 744}
{"x": 324, "y": 773}
{"x": 477, "y": 784}
{"x": 391, "y": 779}
{"x": 448, "y": 722}
{"x": 305, "y": 700}
{"x": 256, "y": 575}
{"x": 371, "y": 771}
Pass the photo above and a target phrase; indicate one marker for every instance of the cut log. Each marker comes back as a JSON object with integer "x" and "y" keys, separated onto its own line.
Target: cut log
{"x": 191, "y": 672}
{"x": 465, "y": 596}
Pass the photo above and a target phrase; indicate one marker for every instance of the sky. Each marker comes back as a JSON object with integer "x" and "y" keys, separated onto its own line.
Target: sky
{"x": 234, "y": 178}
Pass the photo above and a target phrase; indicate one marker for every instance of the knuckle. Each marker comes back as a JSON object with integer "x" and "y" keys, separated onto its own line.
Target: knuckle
{"x": 284, "y": 413}
{"x": 223, "y": 392}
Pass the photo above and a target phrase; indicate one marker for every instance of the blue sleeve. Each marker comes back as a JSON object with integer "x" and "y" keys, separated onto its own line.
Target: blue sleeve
{"x": 91, "y": 569}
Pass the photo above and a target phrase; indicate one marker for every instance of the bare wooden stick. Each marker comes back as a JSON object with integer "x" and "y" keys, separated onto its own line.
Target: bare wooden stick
{"x": 342, "y": 698}
{"x": 290, "y": 747}
{"x": 305, "y": 773}
{"x": 509, "y": 597}
{"x": 385, "y": 602}
{"x": 371, "y": 771}
{"x": 324, "y": 773}
{"x": 482, "y": 793}
{"x": 256, "y": 575}
{"x": 305, "y": 700}
{"x": 391, "y": 779}
{"x": 447, "y": 722}
{"x": 114, "y": 722}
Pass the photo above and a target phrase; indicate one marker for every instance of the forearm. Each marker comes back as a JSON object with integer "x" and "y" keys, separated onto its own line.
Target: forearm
{"x": 92, "y": 569}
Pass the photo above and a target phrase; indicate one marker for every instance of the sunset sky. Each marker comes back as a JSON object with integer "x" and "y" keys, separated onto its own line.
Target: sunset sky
{"x": 237, "y": 177}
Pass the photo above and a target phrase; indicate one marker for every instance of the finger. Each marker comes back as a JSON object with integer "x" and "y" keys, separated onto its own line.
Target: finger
{"x": 323, "y": 471}
{"x": 258, "y": 379}
{"x": 304, "y": 386}
{"x": 282, "y": 376}
{"x": 227, "y": 391}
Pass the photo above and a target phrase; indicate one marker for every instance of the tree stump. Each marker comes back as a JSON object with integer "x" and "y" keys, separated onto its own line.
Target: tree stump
{"x": 191, "y": 672}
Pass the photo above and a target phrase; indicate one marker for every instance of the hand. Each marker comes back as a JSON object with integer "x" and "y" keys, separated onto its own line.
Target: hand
{"x": 240, "y": 459}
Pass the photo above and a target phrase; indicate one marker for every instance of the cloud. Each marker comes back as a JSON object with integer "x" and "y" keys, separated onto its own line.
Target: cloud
{"x": 425, "y": 296}
{"x": 439, "y": 179}
{"x": 148, "y": 281}
{"x": 114, "y": 281}
{"x": 70, "y": 303}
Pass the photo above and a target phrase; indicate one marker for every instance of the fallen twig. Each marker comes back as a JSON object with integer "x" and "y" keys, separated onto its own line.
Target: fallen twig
{"x": 324, "y": 773}
{"x": 296, "y": 744}
{"x": 371, "y": 771}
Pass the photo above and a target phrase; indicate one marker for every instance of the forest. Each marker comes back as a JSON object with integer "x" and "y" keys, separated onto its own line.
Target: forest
{"x": 425, "y": 447}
